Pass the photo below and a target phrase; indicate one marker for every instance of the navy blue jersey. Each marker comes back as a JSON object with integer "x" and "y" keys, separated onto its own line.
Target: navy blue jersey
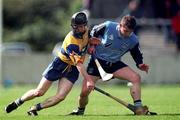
{"x": 113, "y": 45}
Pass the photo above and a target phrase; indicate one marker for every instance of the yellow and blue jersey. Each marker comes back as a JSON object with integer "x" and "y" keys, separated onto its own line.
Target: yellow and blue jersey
{"x": 73, "y": 49}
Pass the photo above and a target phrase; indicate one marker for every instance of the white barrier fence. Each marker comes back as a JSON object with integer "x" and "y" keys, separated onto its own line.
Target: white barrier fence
{"x": 27, "y": 68}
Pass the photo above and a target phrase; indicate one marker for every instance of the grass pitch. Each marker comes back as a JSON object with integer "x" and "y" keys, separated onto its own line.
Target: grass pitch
{"x": 165, "y": 100}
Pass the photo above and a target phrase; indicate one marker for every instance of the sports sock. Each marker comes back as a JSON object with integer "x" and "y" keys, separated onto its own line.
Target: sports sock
{"x": 137, "y": 103}
{"x": 38, "y": 107}
{"x": 81, "y": 109}
{"x": 19, "y": 101}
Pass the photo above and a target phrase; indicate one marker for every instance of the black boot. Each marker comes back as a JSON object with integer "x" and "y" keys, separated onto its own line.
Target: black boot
{"x": 12, "y": 106}
{"x": 32, "y": 111}
{"x": 79, "y": 111}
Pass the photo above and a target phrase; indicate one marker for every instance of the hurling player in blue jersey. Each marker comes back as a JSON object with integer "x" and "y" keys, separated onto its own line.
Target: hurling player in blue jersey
{"x": 116, "y": 40}
{"x": 65, "y": 68}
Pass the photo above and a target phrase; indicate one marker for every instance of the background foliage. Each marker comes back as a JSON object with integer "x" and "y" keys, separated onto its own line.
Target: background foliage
{"x": 41, "y": 23}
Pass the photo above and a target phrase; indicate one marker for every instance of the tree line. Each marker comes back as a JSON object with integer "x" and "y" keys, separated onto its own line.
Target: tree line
{"x": 40, "y": 23}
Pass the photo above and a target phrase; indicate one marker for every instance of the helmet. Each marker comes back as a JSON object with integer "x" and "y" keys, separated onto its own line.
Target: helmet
{"x": 79, "y": 18}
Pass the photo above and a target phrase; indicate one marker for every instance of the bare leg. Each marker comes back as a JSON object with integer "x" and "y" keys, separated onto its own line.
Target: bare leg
{"x": 83, "y": 98}
{"x": 128, "y": 74}
{"x": 31, "y": 94}
{"x": 39, "y": 91}
{"x": 64, "y": 87}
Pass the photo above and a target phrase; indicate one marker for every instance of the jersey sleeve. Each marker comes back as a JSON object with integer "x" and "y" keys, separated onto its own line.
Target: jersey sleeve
{"x": 98, "y": 30}
{"x": 136, "y": 54}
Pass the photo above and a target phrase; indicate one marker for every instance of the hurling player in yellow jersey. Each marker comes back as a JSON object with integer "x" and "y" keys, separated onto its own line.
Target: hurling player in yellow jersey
{"x": 65, "y": 68}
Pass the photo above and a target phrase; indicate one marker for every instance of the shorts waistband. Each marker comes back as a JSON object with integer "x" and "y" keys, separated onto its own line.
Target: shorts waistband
{"x": 105, "y": 62}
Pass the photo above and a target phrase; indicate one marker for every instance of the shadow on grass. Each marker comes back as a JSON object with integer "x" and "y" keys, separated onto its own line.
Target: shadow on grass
{"x": 110, "y": 115}
{"x": 169, "y": 114}
{"x": 104, "y": 115}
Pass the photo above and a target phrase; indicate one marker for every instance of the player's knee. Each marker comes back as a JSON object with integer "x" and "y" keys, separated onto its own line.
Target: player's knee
{"x": 60, "y": 98}
{"x": 85, "y": 92}
{"x": 136, "y": 78}
{"x": 38, "y": 93}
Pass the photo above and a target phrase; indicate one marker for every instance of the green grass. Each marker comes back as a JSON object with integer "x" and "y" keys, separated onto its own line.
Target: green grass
{"x": 165, "y": 100}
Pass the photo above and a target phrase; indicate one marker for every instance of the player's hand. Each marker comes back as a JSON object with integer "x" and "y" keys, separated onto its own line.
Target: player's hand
{"x": 90, "y": 84}
{"x": 91, "y": 49}
{"x": 94, "y": 41}
{"x": 144, "y": 67}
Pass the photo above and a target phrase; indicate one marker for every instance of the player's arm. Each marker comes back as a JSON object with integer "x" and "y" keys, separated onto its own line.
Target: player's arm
{"x": 82, "y": 71}
{"x": 78, "y": 58}
{"x": 136, "y": 54}
{"x": 138, "y": 58}
{"x": 98, "y": 30}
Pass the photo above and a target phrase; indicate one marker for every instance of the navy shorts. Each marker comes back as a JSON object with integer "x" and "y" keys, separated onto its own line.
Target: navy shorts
{"x": 107, "y": 66}
{"x": 58, "y": 69}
